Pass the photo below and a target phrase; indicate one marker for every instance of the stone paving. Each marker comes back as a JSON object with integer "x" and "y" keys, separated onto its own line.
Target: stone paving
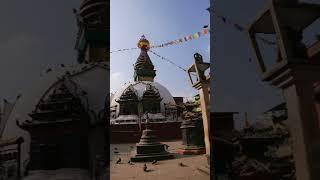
{"x": 166, "y": 169}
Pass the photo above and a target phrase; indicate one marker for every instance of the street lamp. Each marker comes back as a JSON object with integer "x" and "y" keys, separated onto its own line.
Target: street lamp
{"x": 286, "y": 20}
{"x": 294, "y": 73}
{"x": 202, "y": 83}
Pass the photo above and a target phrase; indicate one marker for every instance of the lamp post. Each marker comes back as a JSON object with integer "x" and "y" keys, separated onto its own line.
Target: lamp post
{"x": 202, "y": 84}
{"x": 294, "y": 72}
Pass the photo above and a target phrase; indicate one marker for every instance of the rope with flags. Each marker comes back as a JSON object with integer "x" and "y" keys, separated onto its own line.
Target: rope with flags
{"x": 196, "y": 35}
{"x": 193, "y": 36}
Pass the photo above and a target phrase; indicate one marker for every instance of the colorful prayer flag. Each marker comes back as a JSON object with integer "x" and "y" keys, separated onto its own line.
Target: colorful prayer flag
{"x": 195, "y": 35}
{"x": 205, "y": 31}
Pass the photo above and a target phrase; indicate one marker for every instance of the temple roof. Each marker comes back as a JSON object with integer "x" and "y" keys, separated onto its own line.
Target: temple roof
{"x": 128, "y": 95}
{"x": 151, "y": 94}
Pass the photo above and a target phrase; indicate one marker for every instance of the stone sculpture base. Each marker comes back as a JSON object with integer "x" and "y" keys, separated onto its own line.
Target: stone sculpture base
{"x": 149, "y": 149}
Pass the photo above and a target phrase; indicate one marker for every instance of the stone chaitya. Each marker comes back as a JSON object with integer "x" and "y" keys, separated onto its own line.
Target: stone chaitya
{"x": 149, "y": 148}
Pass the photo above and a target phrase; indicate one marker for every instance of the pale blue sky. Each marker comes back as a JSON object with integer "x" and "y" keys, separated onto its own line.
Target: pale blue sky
{"x": 160, "y": 21}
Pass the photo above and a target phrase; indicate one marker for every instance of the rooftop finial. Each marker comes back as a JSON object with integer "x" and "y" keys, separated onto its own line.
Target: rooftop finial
{"x": 143, "y": 43}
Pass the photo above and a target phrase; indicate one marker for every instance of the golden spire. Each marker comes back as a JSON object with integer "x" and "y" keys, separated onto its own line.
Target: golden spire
{"x": 143, "y": 43}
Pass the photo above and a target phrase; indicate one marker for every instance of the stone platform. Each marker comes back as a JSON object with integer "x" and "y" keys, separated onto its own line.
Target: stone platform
{"x": 165, "y": 169}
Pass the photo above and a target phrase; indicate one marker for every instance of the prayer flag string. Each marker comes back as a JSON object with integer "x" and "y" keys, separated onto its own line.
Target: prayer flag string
{"x": 196, "y": 35}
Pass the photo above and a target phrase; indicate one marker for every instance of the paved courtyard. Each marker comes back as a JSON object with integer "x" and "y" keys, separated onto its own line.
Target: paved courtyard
{"x": 166, "y": 169}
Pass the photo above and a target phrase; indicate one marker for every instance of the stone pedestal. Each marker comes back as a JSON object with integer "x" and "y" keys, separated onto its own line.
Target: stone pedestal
{"x": 192, "y": 137}
{"x": 149, "y": 148}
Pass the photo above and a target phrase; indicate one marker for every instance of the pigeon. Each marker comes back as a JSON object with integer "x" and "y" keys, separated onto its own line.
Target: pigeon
{"x": 145, "y": 168}
{"x": 118, "y": 161}
{"x": 181, "y": 164}
{"x": 154, "y": 161}
{"x": 129, "y": 162}
{"x": 166, "y": 146}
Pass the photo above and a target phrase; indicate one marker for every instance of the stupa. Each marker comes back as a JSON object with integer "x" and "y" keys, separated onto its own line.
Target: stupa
{"x": 143, "y": 95}
{"x": 129, "y": 104}
{"x": 149, "y": 148}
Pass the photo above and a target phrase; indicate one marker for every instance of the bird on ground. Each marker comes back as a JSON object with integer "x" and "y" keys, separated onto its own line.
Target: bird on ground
{"x": 145, "y": 169}
{"x": 154, "y": 162}
{"x": 129, "y": 162}
{"x": 118, "y": 161}
{"x": 166, "y": 147}
{"x": 181, "y": 164}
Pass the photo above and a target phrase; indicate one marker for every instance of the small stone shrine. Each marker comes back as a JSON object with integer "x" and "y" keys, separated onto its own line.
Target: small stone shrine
{"x": 149, "y": 148}
{"x": 192, "y": 130}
